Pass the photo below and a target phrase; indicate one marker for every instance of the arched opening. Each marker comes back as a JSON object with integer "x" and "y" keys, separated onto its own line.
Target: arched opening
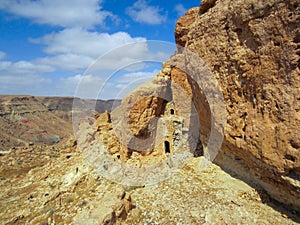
{"x": 167, "y": 147}
{"x": 172, "y": 111}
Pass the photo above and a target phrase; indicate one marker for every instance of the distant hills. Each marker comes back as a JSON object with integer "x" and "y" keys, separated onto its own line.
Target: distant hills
{"x": 28, "y": 120}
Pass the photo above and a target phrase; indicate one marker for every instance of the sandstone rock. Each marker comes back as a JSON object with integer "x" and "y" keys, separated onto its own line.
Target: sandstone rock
{"x": 184, "y": 25}
{"x": 206, "y": 5}
{"x": 114, "y": 206}
{"x": 138, "y": 114}
{"x": 152, "y": 121}
{"x": 252, "y": 48}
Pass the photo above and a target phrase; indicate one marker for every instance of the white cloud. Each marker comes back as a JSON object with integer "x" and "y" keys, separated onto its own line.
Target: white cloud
{"x": 21, "y": 80}
{"x": 24, "y": 84}
{"x": 2, "y": 55}
{"x": 179, "y": 8}
{"x": 83, "y": 86}
{"x": 67, "y": 62}
{"x": 124, "y": 56}
{"x": 28, "y": 78}
{"x": 24, "y": 67}
{"x": 75, "y": 13}
{"x": 83, "y": 42}
{"x": 5, "y": 65}
{"x": 23, "y": 77}
{"x": 131, "y": 77}
{"x": 94, "y": 86}
{"x": 141, "y": 12}
{"x": 120, "y": 87}
{"x": 67, "y": 54}
{"x": 76, "y": 49}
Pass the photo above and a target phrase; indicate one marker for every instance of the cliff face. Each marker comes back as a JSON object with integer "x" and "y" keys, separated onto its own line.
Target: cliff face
{"x": 245, "y": 57}
{"x": 252, "y": 49}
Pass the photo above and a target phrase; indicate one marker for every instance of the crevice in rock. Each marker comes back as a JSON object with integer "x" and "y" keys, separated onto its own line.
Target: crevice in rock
{"x": 290, "y": 157}
{"x": 294, "y": 144}
{"x": 199, "y": 149}
{"x": 294, "y": 174}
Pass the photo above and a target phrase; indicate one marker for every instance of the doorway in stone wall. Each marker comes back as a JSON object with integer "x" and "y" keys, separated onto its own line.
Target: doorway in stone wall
{"x": 167, "y": 147}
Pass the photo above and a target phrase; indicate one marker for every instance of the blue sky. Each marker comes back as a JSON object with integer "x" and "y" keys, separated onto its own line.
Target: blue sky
{"x": 46, "y": 46}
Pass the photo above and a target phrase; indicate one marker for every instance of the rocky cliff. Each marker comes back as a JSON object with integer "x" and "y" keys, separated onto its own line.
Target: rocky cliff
{"x": 251, "y": 49}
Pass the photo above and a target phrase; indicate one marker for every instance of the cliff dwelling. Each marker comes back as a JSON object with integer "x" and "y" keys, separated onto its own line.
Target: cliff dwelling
{"x": 164, "y": 137}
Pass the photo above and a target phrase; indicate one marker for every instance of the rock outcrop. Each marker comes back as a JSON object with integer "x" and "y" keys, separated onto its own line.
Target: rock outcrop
{"x": 252, "y": 49}
{"x": 206, "y": 5}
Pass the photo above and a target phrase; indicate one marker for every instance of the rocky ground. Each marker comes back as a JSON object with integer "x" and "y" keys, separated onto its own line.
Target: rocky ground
{"x": 204, "y": 197}
{"x": 54, "y": 185}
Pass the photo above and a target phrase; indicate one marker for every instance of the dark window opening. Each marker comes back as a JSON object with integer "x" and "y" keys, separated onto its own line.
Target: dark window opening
{"x": 199, "y": 149}
{"x": 167, "y": 147}
{"x": 172, "y": 111}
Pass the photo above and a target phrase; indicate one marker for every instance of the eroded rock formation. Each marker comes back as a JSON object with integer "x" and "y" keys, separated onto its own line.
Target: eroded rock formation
{"x": 252, "y": 49}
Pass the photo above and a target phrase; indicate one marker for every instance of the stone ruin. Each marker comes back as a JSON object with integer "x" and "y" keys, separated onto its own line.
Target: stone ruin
{"x": 149, "y": 125}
